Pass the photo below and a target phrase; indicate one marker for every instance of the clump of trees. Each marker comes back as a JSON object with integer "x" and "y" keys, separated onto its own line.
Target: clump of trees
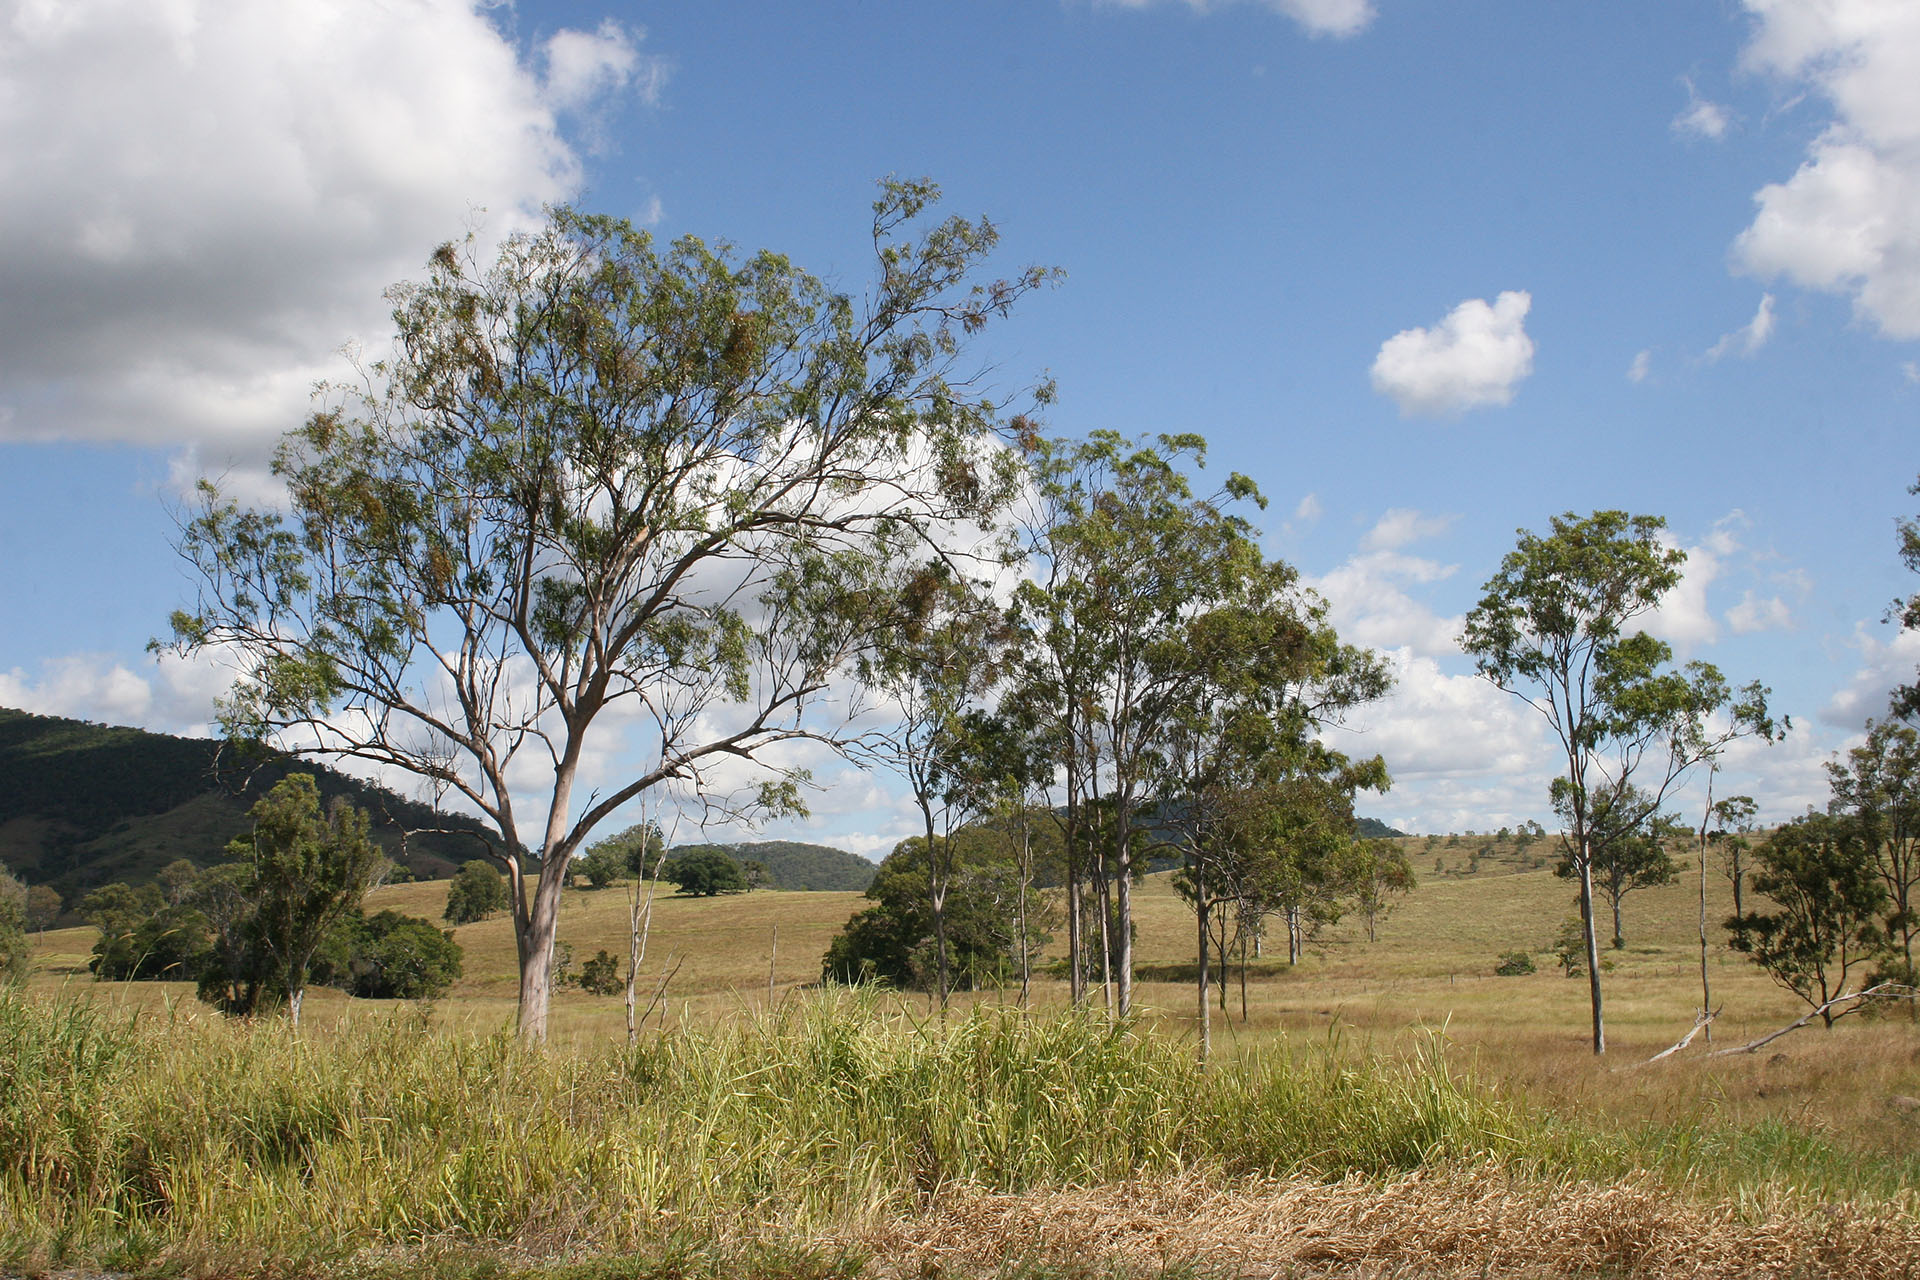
{"x": 705, "y": 873}
{"x": 14, "y": 948}
{"x": 254, "y": 933}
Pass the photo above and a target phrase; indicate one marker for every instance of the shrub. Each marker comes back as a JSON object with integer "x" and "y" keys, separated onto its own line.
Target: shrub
{"x": 1514, "y": 963}
{"x": 601, "y": 975}
{"x": 477, "y": 892}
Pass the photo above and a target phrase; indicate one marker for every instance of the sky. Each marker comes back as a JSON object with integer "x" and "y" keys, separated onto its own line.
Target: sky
{"x": 1429, "y": 271}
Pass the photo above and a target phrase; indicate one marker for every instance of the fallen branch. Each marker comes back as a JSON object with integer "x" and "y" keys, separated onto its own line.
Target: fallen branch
{"x": 1700, "y": 1023}
{"x": 1880, "y": 991}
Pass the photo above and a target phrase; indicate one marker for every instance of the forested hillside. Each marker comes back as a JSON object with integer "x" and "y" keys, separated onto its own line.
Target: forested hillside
{"x": 791, "y": 864}
{"x": 83, "y": 804}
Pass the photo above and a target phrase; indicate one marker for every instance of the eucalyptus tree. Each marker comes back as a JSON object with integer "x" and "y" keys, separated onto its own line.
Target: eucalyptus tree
{"x": 1267, "y": 674}
{"x": 1553, "y": 628}
{"x": 1124, "y": 554}
{"x": 1906, "y": 698}
{"x": 934, "y": 665}
{"x": 606, "y": 492}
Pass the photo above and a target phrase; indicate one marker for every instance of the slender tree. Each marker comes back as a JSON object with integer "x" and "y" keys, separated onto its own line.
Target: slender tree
{"x": 1553, "y": 629}
{"x": 603, "y": 481}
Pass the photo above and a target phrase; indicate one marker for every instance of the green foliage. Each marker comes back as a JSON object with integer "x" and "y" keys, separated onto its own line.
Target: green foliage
{"x": 1514, "y": 964}
{"x": 14, "y": 947}
{"x": 601, "y": 866}
{"x": 704, "y": 873}
{"x": 1906, "y": 698}
{"x": 1819, "y": 872}
{"x": 1877, "y": 786}
{"x": 892, "y": 942}
{"x": 477, "y": 891}
{"x": 389, "y": 956}
{"x": 308, "y": 871}
{"x": 600, "y": 975}
{"x": 1569, "y": 947}
{"x": 635, "y": 850}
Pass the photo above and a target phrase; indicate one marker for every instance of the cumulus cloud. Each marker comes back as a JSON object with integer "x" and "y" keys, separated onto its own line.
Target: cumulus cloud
{"x": 1749, "y": 337}
{"x": 1701, "y": 118}
{"x": 1337, "y": 18}
{"x": 201, "y": 202}
{"x": 1475, "y": 357}
{"x": 173, "y": 695}
{"x": 1642, "y": 365}
{"x": 1309, "y": 509}
{"x": 1848, "y": 220}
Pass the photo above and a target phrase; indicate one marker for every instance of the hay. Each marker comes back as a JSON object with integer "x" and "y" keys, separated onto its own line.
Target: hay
{"x": 1478, "y": 1222}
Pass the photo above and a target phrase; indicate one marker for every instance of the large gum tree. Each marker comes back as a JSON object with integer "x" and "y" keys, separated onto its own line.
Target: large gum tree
{"x": 605, "y": 494}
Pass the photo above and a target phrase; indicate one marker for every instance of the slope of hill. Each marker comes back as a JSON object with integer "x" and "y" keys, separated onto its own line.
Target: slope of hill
{"x": 794, "y": 865}
{"x": 83, "y": 804}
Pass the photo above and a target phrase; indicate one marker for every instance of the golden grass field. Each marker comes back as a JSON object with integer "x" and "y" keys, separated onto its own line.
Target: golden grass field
{"x": 1430, "y": 974}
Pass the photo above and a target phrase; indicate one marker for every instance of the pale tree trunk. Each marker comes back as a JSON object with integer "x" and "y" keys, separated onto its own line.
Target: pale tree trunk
{"x": 1593, "y": 946}
{"x": 295, "y": 994}
{"x": 1123, "y": 895}
{"x": 541, "y": 923}
{"x": 1706, "y": 988}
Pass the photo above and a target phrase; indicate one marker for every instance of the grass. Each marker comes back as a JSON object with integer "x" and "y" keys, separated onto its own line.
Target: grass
{"x": 1397, "y": 1083}
{"x": 828, "y": 1135}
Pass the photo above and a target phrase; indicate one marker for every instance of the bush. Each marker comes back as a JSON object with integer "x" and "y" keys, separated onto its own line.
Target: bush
{"x": 1570, "y": 948}
{"x": 600, "y": 976}
{"x": 477, "y": 892}
{"x": 399, "y": 957}
{"x": 1513, "y": 964}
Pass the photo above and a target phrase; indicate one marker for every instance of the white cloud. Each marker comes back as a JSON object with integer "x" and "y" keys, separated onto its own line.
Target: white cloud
{"x": 1754, "y": 614}
{"x": 1848, "y": 221}
{"x": 1702, "y": 118}
{"x": 1309, "y": 511}
{"x": 174, "y": 695}
{"x": 1749, "y": 337}
{"x": 1337, "y": 18}
{"x": 1883, "y": 666}
{"x": 201, "y": 202}
{"x": 1370, "y": 600}
{"x": 1642, "y": 365}
{"x": 1684, "y": 618}
{"x": 1403, "y": 525}
{"x": 1474, "y": 357}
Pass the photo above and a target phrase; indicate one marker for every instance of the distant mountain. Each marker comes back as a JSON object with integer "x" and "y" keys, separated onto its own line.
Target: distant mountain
{"x": 83, "y": 804}
{"x": 794, "y": 865}
{"x": 1374, "y": 829}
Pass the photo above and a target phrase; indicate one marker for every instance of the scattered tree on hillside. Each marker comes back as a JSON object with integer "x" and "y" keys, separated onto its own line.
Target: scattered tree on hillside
{"x": 1552, "y": 629}
{"x": 704, "y": 873}
{"x": 176, "y": 880}
{"x": 476, "y": 892}
{"x": 309, "y": 870}
{"x": 595, "y": 476}
{"x": 1819, "y": 871}
{"x": 43, "y": 907}
{"x": 1382, "y": 873}
{"x": 601, "y": 866}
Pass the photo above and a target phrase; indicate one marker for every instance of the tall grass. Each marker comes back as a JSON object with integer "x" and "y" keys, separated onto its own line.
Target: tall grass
{"x": 182, "y": 1137}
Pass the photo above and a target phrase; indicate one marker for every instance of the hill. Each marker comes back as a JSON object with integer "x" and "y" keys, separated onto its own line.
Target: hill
{"x": 1374, "y": 829}
{"x": 794, "y": 865}
{"x": 84, "y": 804}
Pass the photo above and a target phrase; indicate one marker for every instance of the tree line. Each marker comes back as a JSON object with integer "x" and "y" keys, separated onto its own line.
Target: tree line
{"x": 607, "y": 490}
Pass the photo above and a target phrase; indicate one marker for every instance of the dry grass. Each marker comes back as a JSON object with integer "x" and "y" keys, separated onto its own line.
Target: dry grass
{"x": 1477, "y": 1221}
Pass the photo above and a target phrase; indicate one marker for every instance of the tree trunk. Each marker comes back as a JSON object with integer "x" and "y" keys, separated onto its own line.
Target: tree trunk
{"x": 1123, "y": 914}
{"x": 1593, "y": 947}
{"x": 1619, "y": 939}
{"x": 1206, "y": 943}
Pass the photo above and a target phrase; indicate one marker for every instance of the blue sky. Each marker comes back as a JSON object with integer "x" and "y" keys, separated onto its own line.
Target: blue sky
{"x": 1429, "y": 272}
